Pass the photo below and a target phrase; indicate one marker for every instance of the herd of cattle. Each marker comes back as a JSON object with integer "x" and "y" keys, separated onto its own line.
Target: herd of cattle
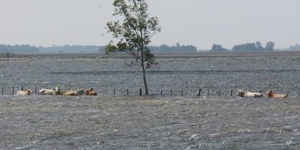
{"x": 269, "y": 94}
{"x": 58, "y": 91}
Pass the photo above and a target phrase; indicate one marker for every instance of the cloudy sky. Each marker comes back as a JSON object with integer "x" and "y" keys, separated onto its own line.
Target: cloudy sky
{"x": 201, "y": 23}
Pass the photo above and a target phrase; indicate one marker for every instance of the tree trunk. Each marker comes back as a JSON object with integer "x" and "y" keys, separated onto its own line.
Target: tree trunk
{"x": 144, "y": 78}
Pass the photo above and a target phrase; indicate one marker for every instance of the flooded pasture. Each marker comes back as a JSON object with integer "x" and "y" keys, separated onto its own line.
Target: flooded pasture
{"x": 157, "y": 121}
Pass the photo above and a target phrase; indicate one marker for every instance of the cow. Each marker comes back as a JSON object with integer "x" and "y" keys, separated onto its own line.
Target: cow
{"x": 244, "y": 93}
{"x": 70, "y": 93}
{"x": 74, "y": 92}
{"x": 271, "y": 94}
{"x": 91, "y": 92}
{"x": 55, "y": 91}
{"x": 24, "y": 92}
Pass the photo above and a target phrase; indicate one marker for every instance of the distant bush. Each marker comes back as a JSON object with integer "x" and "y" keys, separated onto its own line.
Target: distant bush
{"x": 218, "y": 48}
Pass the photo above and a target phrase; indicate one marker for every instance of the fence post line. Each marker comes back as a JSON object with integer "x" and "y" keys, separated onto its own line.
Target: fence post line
{"x": 199, "y": 92}
{"x": 161, "y": 92}
{"x": 13, "y": 90}
{"x": 140, "y": 91}
{"x": 231, "y": 92}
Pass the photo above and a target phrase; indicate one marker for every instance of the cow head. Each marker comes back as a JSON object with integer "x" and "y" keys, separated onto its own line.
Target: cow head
{"x": 240, "y": 93}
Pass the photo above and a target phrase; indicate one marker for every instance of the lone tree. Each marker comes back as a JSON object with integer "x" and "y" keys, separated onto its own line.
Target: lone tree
{"x": 134, "y": 33}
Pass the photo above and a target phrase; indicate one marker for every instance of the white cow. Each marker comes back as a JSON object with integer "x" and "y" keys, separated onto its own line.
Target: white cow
{"x": 55, "y": 91}
{"x": 244, "y": 93}
{"x": 24, "y": 92}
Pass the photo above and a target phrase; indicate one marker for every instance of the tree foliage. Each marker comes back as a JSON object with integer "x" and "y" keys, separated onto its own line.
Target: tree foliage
{"x": 134, "y": 33}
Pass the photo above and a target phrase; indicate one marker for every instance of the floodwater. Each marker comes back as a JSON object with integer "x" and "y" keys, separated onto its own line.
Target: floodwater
{"x": 180, "y": 74}
{"x": 109, "y": 121}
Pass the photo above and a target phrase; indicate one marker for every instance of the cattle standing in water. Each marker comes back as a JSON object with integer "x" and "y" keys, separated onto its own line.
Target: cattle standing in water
{"x": 271, "y": 94}
{"x": 55, "y": 91}
{"x": 244, "y": 93}
{"x": 69, "y": 93}
{"x": 24, "y": 92}
{"x": 91, "y": 92}
{"x": 74, "y": 92}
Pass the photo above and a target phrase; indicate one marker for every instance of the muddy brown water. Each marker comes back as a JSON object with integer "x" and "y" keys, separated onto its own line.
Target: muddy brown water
{"x": 119, "y": 121}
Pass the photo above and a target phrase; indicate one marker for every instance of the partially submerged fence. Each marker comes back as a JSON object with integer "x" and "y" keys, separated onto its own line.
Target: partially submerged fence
{"x": 139, "y": 91}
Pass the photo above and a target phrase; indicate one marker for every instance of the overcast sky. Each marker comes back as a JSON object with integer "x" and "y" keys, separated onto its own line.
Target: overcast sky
{"x": 201, "y": 23}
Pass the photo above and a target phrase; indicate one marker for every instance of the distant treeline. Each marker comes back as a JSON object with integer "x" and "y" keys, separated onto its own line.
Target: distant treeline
{"x": 295, "y": 47}
{"x": 173, "y": 49}
{"x": 101, "y": 49}
{"x": 89, "y": 49}
{"x": 18, "y": 49}
{"x": 72, "y": 49}
{"x": 255, "y": 47}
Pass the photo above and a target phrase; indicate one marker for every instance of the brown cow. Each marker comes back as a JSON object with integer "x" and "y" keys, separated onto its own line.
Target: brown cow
{"x": 69, "y": 93}
{"x": 91, "y": 92}
{"x": 74, "y": 92}
{"x": 271, "y": 94}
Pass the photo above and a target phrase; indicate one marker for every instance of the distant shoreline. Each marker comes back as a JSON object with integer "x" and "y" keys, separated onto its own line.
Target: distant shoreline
{"x": 157, "y": 55}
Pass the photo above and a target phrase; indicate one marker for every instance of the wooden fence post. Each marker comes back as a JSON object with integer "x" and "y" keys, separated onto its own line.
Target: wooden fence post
{"x": 13, "y": 90}
{"x": 171, "y": 92}
{"x": 161, "y": 92}
{"x": 231, "y": 92}
{"x": 199, "y": 92}
{"x": 219, "y": 92}
{"x": 140, "y": 91}
{"x": 181, "y": 92}
{"x": 35, "y": 90}
{"x": 207, "y": 93}
{"x": 127, "y": 92}
{"x": 2, "y": 90}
